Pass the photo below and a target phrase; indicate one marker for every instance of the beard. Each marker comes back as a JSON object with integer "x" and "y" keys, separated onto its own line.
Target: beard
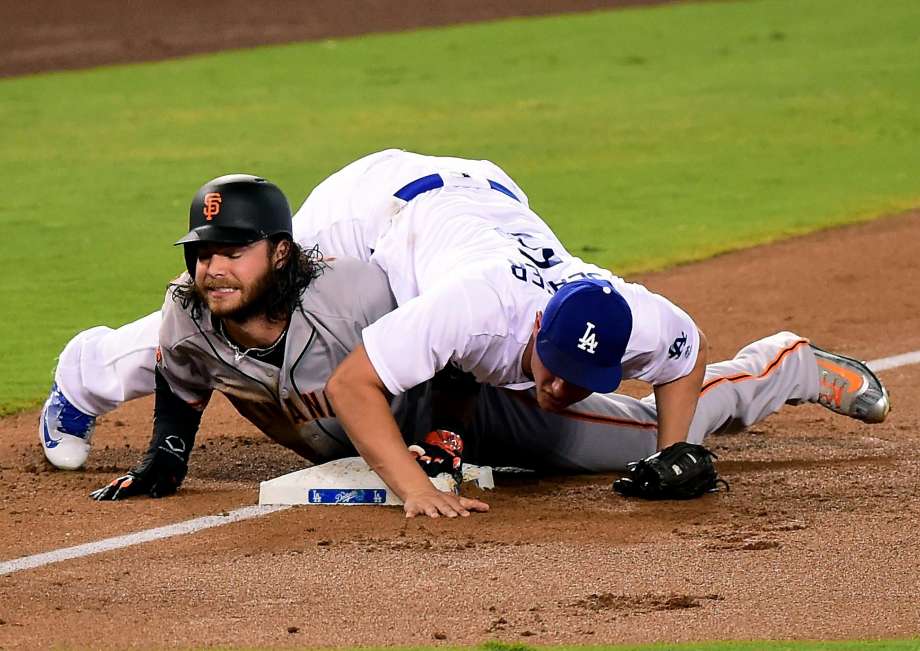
{"x": 251, "y": 301}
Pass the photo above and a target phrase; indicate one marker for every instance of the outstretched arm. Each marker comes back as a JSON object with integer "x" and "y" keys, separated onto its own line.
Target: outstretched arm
{"x": 676, "y": 401}
{"x": 360, "y": 402}
{"x": 163, "y": 468}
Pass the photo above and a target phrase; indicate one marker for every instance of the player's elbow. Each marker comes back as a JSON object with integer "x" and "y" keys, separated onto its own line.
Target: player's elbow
{"x": 337, "y": 386}
{"x": 702, "y": 351}
{"x": 350, "y": 379}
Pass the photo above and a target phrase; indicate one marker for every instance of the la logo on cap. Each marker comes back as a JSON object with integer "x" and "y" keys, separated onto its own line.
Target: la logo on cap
{"x": 577, "y": 316}
{"x": 588, "y": 341}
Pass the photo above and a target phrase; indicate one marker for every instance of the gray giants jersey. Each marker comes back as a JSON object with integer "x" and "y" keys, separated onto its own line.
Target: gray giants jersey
{"x": 287, "y": 404}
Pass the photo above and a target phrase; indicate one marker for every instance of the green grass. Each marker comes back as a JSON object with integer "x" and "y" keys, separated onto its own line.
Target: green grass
{"x": 878, "y": 645}
{"x": 645, "y": 137}
{"x": 855, "y": 645}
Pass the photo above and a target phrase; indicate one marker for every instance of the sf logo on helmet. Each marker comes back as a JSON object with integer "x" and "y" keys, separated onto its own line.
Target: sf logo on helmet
{"x": 211, "y": 205}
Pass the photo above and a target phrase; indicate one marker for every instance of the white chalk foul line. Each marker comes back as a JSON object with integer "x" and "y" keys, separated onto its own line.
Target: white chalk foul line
{"x": 108, "y": 544}
{"x": 245, "y": 513}
{"x": 885, "y": 363}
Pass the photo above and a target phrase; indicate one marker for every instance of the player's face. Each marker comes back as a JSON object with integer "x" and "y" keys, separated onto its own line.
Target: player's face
{"x": 232, "y": 278}
{"x": 554, "y": 393}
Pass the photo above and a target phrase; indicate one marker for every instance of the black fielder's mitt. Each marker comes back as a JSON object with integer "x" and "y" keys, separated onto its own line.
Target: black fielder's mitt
{"x": 679, "y": 472}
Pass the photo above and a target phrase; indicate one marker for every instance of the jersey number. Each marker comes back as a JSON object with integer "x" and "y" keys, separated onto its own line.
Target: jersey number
{"x": 547, "y": 257}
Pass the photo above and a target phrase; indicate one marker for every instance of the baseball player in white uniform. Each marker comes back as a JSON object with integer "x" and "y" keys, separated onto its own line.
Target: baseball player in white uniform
{"x": 472, "y": 268}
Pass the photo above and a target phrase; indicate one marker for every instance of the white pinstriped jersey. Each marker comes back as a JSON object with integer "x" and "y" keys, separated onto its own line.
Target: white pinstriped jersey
{"x": 470, "y": 267}
{"x": 350, "y": 210}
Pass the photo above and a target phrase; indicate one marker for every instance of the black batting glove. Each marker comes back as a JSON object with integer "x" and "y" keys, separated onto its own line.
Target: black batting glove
{"x": 158, "y": 475}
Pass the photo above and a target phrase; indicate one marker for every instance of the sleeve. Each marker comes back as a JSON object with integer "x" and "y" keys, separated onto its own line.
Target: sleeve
{"x": 457, "y": 322}
{"x": 179, "y": 371}
{"x": 339, "y": 238}
{"x": 666, "y": 339}
{"x": 183, "y": 378}
{"x": 374, "y": 296}
{"x": 350, "y": 291}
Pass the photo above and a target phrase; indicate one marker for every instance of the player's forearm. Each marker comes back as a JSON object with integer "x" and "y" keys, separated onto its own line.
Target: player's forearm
{"x": 164, "y": 467}
{"x": 175, "y": 422}
{"x": 361, "y": 405}
{"x": 676, "y": 401}
{"x": 366, "y": 417}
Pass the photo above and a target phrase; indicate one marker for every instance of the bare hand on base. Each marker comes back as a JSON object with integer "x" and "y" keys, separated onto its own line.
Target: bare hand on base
{"x": 435, "y": 503}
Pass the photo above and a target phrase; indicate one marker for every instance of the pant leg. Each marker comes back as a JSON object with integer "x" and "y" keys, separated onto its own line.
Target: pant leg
{"x": 606, "y": 431}
{"x": 757, "y": 382}
{"x": 101, "y": 368}
{"x": 602, "y": 433}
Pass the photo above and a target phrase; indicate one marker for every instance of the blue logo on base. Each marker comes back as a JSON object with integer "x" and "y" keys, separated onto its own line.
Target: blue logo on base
{"x": 346, "y": 495}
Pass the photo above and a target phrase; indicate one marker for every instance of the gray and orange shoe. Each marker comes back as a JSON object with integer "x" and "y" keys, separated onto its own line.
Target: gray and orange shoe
{"x": 847, "y": 386}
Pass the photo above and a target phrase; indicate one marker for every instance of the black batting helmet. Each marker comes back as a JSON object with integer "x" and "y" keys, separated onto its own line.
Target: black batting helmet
{"x": 235, "y": 209}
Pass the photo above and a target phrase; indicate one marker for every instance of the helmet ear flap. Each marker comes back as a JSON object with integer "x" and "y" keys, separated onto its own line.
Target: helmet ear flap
{"x": 191, "y": 257}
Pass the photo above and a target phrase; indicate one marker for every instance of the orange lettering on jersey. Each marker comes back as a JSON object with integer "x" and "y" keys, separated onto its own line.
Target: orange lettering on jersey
{"x": 295, "y": 410}
{"x": 314, "y": 405}
{"x": 212, "y": 202}
{"x": 328, "y": 404}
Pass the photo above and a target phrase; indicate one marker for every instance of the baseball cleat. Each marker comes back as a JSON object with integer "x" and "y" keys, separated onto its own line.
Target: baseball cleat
{"x": 65, "y": 431}
{"x": 848, "y": 387}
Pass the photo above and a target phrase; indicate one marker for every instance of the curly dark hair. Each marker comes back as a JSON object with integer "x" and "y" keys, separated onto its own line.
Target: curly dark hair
{"x": 282, "y": 293}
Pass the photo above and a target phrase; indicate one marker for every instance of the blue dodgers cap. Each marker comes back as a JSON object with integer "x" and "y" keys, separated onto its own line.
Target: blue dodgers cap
{"x": 583, "y": 334}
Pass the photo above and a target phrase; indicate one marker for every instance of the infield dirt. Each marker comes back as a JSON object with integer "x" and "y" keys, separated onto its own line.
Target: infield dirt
{"x": 817, "y": 538}
{"x": 60, "y": 35}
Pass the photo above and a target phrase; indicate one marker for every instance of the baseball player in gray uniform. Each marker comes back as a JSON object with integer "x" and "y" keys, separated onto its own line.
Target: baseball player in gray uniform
{"x": 598, "y": 433}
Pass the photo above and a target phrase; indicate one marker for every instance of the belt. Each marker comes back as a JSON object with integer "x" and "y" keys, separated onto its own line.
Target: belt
{"x": 434, "y": 181}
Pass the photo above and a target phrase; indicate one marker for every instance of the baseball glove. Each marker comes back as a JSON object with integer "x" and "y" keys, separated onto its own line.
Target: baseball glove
{"x": 679, "y": 472}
